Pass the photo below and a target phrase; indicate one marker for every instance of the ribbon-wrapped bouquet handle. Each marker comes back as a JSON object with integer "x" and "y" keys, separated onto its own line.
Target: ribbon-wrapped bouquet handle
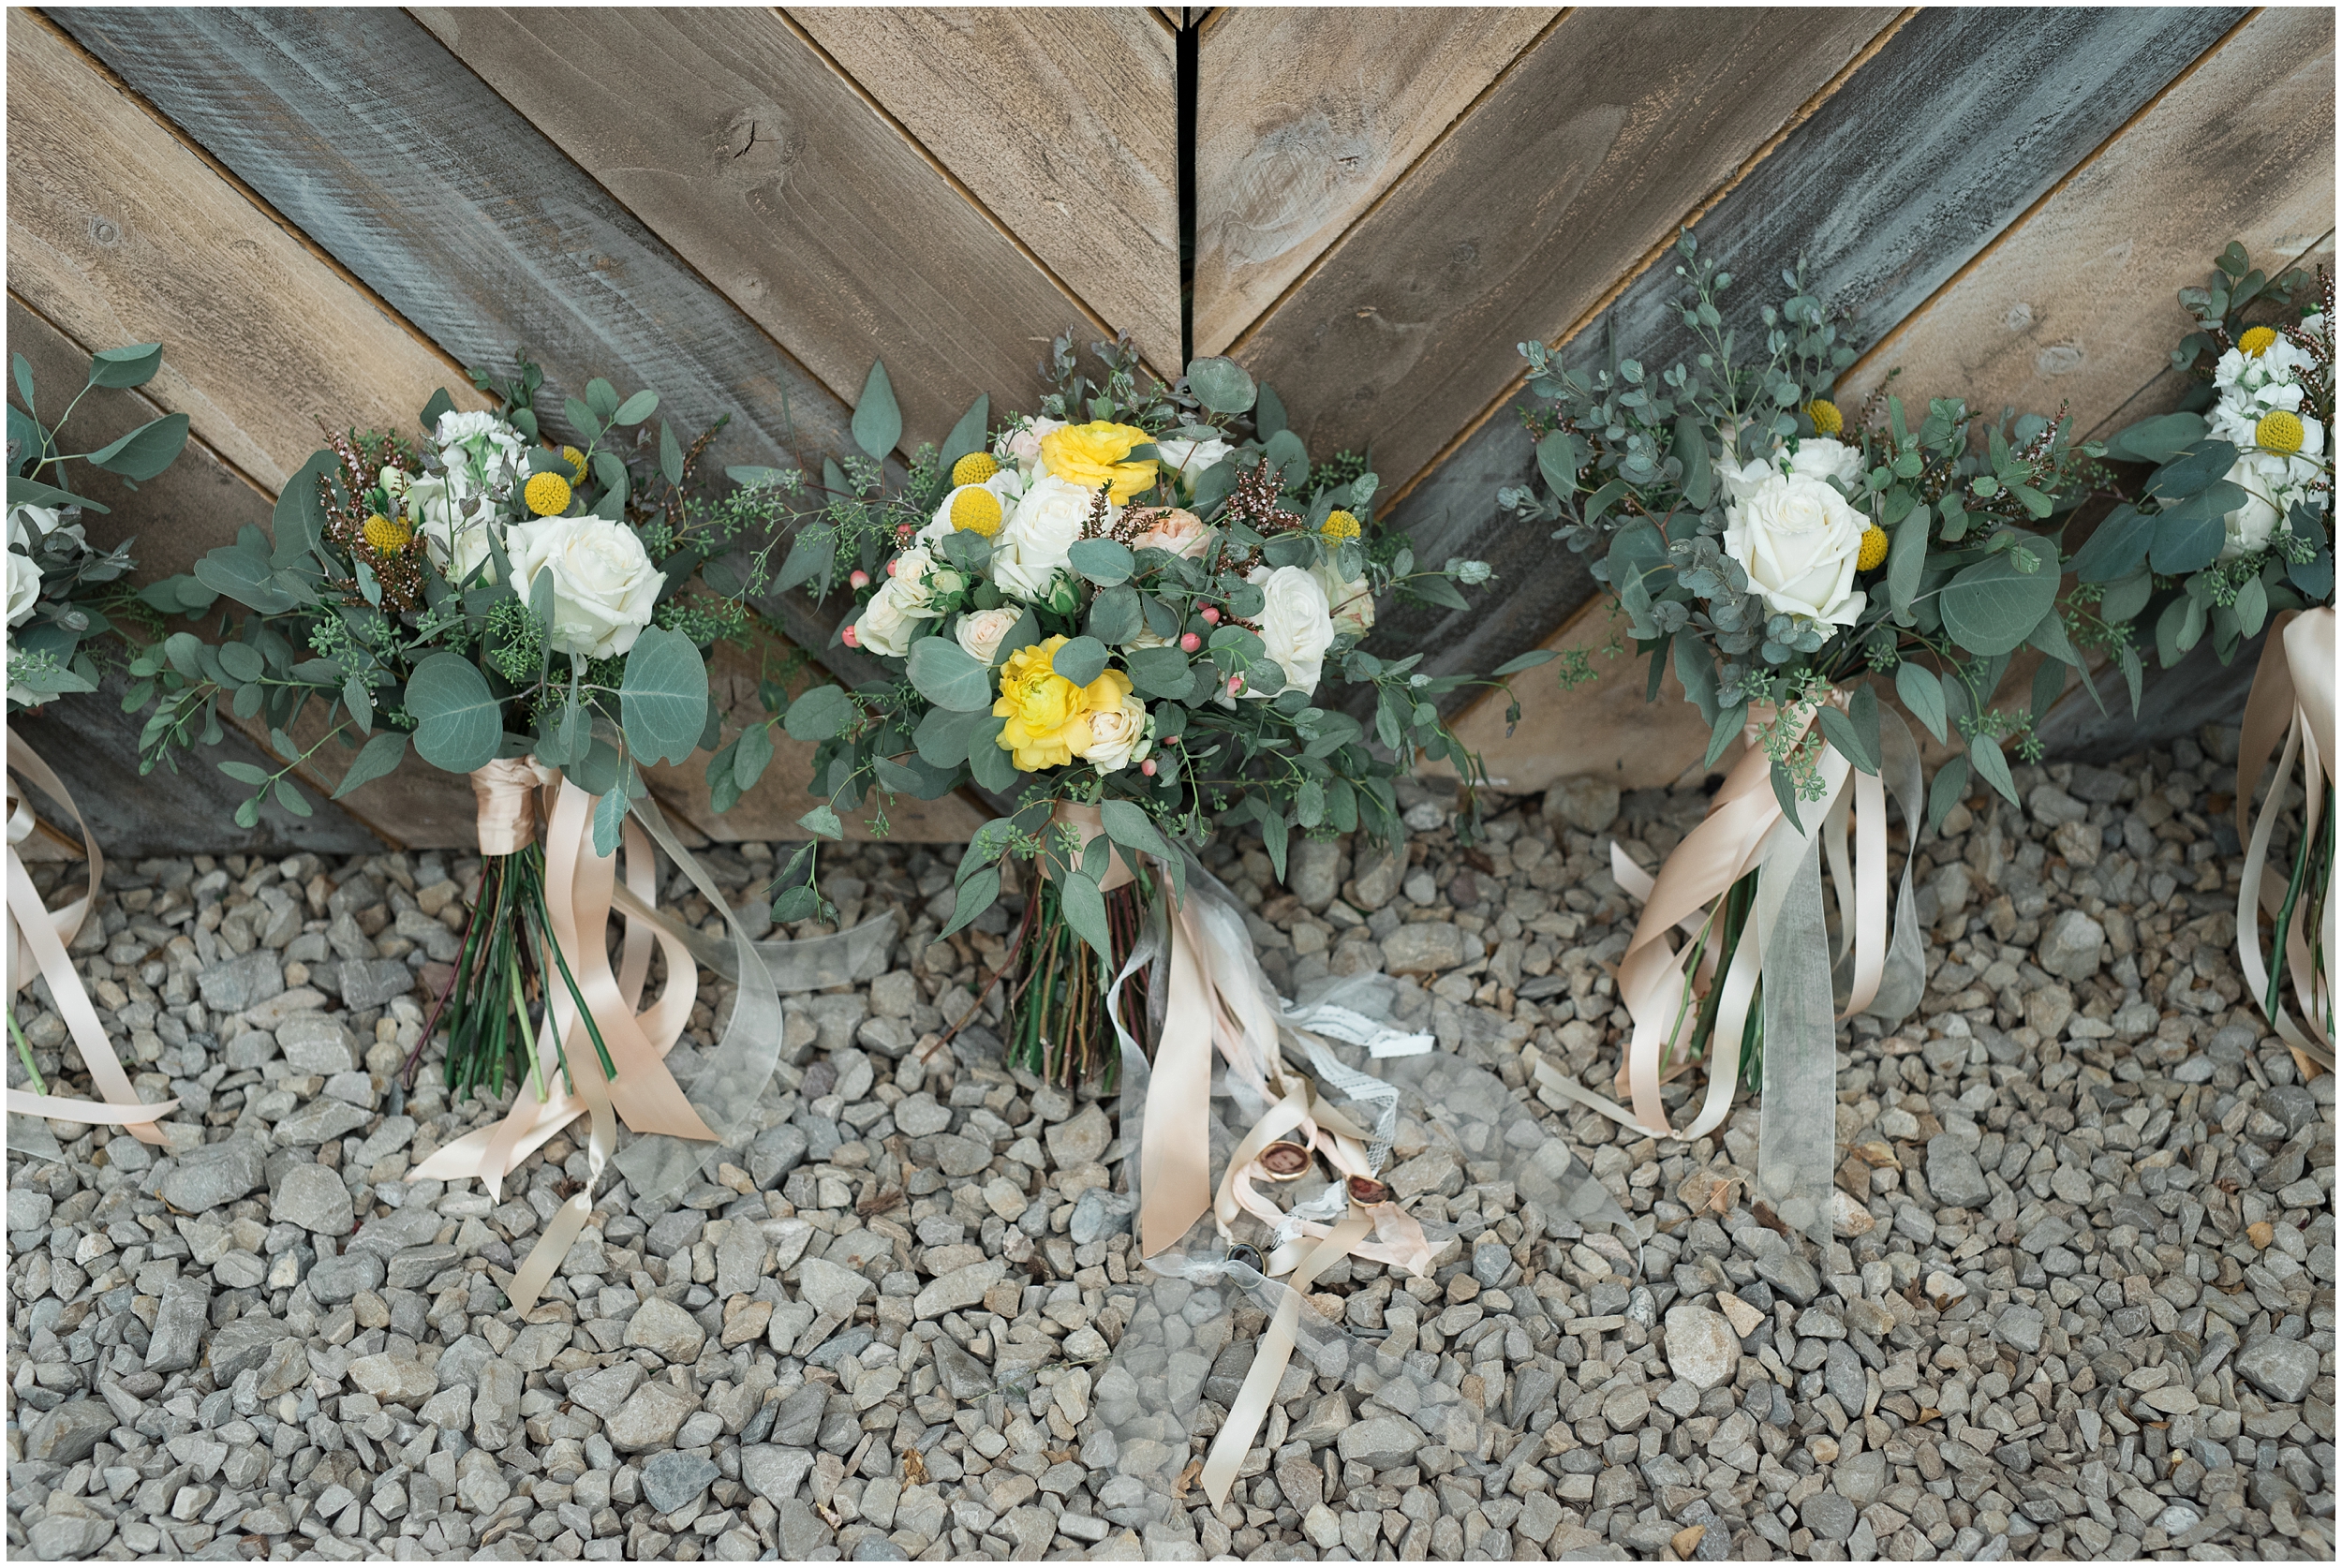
{"x": 2292, "y": 698}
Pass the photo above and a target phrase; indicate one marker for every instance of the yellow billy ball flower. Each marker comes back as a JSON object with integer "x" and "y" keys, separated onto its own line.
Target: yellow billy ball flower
{"x": 388, "y": 536}
{"x": 1042, "y": 708}
{"x": 1097, "y": 453}
{"x": 1874, "y": 549}
{"x": 1339, "y": 525}
{"x": 576, "y": 460}
{"x": 2256, "y": 339}
{"x": 974, "y": 468}
{"x": 547, "y": 495}
{"x": 1827, "y": 419}
{"x": 2278, "y": 431}
{"x": 976, "y": 510}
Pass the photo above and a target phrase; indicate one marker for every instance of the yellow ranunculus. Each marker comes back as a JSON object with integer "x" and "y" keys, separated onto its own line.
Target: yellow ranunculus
{"x": 1042, "y": 708}
{"x": 1093, "y": 454}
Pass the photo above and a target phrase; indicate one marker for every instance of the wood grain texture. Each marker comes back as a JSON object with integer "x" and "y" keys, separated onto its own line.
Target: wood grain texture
{"x": 359, "y": 127}
{"x": 2076, "y": 304}
{"x": 1518, "y": 221}
{"x": 1305, "y": 116}
{"x": 1062, "y": 122}
{"x": 118, "y": 233}
{"x": 741, "y": 147}
{"x": 1958, "y": 125}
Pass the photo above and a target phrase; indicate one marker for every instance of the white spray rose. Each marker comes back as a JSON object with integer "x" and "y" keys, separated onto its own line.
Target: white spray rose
{"x": 24, "y": 587}
{"x": 1188, "y": 461}
{"x": 2250, "y": 525}
{"x": 885, "y": 629}
{"x": 1822, "y": 458}
{"x": 1296, "y": 625}
{"x": 481, "y": 451}
{"x": 1020, "y": 444}
{"x": 1111, "y": 739}
{"x": 603, "y": 585}
{"x": 1029, "y": 549}
{"x": 1352, "y": 604}
{"x": 1797, "y": 540}
{"x": 456, "y": 530}
{"x": 1741, "y": 480}
{"x": 982, "y": 632}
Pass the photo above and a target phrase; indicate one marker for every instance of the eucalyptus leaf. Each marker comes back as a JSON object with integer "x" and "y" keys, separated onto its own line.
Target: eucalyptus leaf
{"x": 1160, "y": 671}
{"x": 1923, "y": 695}
{"x": 145, "y": 451}
{"x": 635, "y": 409}
{"x": 878, "y": 421}
{"x": 1992, "y": 606}
{"x": 131, "y": 367}
{"x": 1221, "y": 384}
{"x": 662, "y": 700}
{"x": 1081, "y": 660}
{"x": 1993, "y": 767}
{"x": 459, "y": 724}
{"x": 820, "y": 714}
{"x": 949, "y": 676}
{"x": 1104, "y": 561}
{"x": 976, "y": 895}
{"x": 969, "y": 435}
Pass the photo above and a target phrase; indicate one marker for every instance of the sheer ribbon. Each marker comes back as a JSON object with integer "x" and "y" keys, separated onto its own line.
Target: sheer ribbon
{"x": 37, "y": 941}
{"x": 1783, "y": 943}
{"x": 582, "y": 894}
{"x": 2292, "y": 695}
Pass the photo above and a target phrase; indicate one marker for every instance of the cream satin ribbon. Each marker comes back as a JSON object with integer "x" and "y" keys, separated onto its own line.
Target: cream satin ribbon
{"x": 1746, "y": 831}
{"x": 38, "y": 937}
{"x": 1270, "y": 1359}
{"x": 2293, "y": 695}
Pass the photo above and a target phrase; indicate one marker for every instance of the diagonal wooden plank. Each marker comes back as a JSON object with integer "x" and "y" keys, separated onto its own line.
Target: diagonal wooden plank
{"x": 1061, "y": 123}
{"x": 1307, "y": 117}
{"x": 362, "y": 128}
{"x": 1962, "y": 120}
{"x": 119, "y": 233}
{"x": 740, "y": 145}
{"x": 1556, "y": 184}
{"x": 2076, "y": 304}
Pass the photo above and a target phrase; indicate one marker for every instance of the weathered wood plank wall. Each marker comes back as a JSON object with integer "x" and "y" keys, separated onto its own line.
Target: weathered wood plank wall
{"x": 327, "y": 212}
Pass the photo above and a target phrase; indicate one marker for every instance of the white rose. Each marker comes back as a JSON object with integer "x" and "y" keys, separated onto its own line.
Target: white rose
{"x": 907, "y": 581}
{"x": 455, "y": 531}
{"x": 2268, "y": 498}
{"x": 24, "y": 587}
{"x": 1798, "y": 541}
{"x": 982, "y": 632}
{"x": 1741, "y": 481}
{"x": 1822, "y": 458}
{"x": 1353, "y": 604}
{"x": 1296, "y": 625}
{"x": 603, "y": 585}
{"x": 1117, "y": 737}
{"x": 1029, "y": 549}
{"x": 1191, "y": 460}
{"x": 1005, "y": 486}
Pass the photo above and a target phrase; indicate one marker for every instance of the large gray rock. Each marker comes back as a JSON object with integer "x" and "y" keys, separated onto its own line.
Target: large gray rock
{"x": 214, "y": 1175}
{"x": 318, "y": 1044}
{"x": 672, "y": 1479}
{"x": 233, "y": 984}
{"x": 1587, "y": 803}
{"x": 1953, "y": 1176}
{"x": 1080, "y": 1139}
{"x": 961, "y": 1289}
{"x": 829, "y": 1288}
{"x": 666, "y": 1328}
{"x": 242, "y": 1345}
{"x": 69, "y": 1433}
{"x": 1382, "y": 1442}
{"x": 958, "y": 1157}
{"x": 1314, "y": 872}
{"x": 371, "y": 982}
{"x": 774, "y": 1472}
{"x": 650, "y": 1418}
{"x": 335, "y": 1281}
{"x": 394, "y": 1379}
{"x": 179, "y": 1323}
{"x": 2281, "y": 1369}
{"x": 1829, "y": 1516}
{"x": 2069, "y": 948}
{"x": 316, "y": 1198}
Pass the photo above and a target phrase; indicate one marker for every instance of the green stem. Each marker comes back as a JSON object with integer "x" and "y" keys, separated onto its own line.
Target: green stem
{"x": 24, "y": 1050}
{"x": 520, "y": 1013}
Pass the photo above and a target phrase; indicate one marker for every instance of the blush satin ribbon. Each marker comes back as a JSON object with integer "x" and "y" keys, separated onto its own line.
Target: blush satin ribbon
{"x": 37, "y": 941}
{"x": 2293, "y": 697}
{"x": 1745, "y": 830}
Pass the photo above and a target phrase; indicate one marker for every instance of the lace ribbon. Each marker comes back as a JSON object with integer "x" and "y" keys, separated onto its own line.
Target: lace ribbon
{"x": 2293, "y": 694}
{"x": 36, "y": 941}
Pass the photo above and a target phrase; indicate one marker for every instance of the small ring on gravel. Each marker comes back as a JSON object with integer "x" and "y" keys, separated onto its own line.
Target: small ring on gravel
{"x": 1285, "y": 1161}
{"x": 1366, "y": 1191}
{"x": 1247, "y": 1255}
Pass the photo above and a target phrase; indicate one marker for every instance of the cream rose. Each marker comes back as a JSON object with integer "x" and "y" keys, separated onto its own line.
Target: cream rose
{"x": 1021, "y": 445}
{"x": 1175, "y": 529}
{"x": 1111, "y": 739}
{"x": 1797, "y": 540}
{"x": 1822, "y": 458}
{"x": 24, "y": 587}
{"x": 884, "y": 627}
{"x": 1352, "y": 604}
{"x": 1741, "y": 481}
{"x": 603, "y": 585}
{"x": 982, "y": 632}
{"x": 1030, "y": 550}
{"x": 2250, "y": 525}
{"x": 1296, "y": 626}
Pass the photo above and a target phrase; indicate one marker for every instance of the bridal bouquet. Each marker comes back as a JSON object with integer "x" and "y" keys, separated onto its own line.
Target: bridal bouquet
{"x": 2233, "y": 535}
{"x": 1781, "y": 551}
{"x": 1123, "y": 615}
{"x": 60, "y": 588}
{"x": 495, "y": 602}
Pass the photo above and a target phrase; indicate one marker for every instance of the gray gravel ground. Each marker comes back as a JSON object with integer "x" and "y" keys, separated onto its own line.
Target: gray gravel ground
{"x": 2082, "y": 1304}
